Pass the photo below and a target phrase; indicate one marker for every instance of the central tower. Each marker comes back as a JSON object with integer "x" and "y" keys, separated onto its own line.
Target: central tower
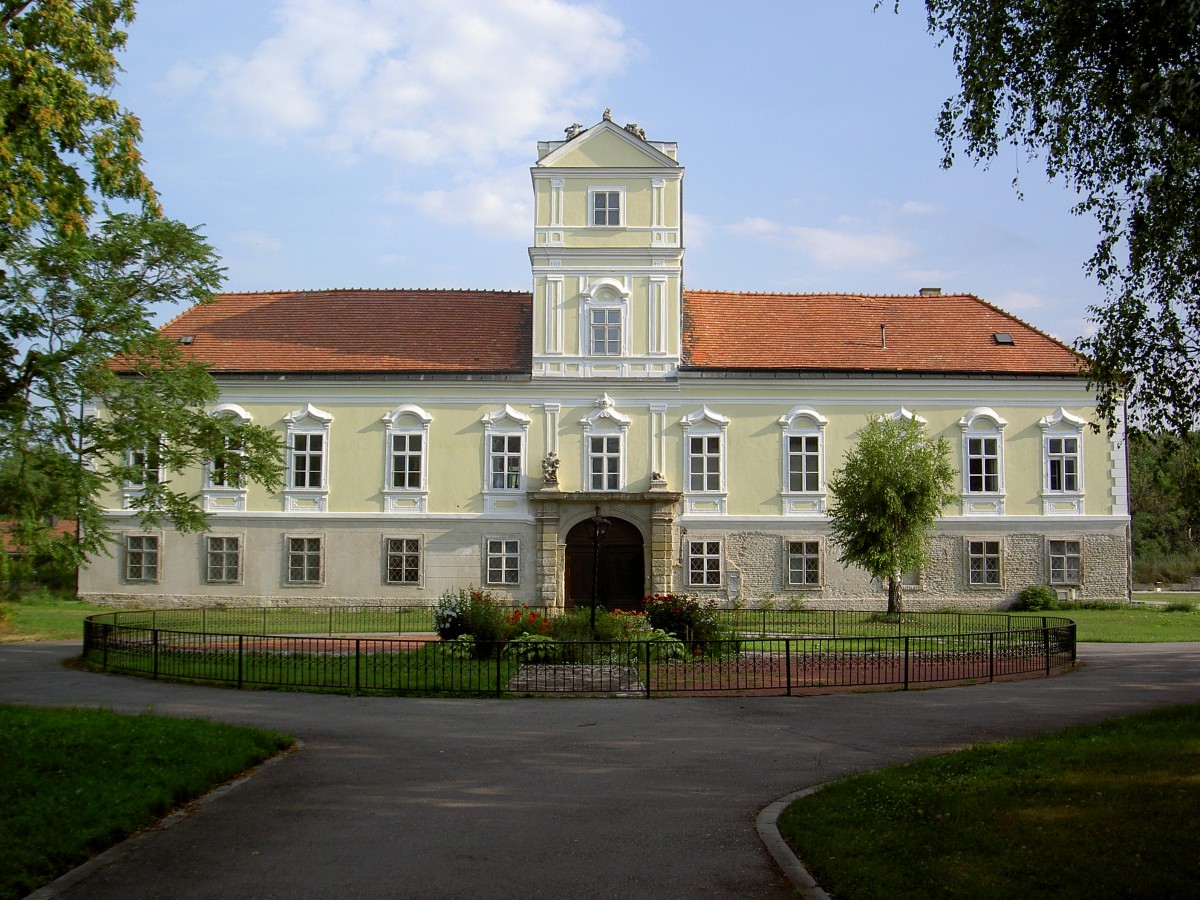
{"x": 607, "y": 256}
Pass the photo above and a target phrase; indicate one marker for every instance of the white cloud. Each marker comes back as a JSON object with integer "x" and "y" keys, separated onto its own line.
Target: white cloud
{"x": 842, "y": 249}
{"x": 756, "y": 226}
{"x": 835, "y": 249}
{"x": 419, "y": 80}
{"x": 493, "y": 204}
{"x": 917, "y": 208}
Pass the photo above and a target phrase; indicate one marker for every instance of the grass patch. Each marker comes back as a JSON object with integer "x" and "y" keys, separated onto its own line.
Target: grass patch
{"x": 1097, "y": 811}
{"x": 77, "y": 781}
{"x": 1134, "y": 625}
{"x": 44, "y": 616}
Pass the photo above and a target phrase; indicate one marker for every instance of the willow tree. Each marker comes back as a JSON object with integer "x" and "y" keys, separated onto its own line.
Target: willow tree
{"x": 886, "y": 498}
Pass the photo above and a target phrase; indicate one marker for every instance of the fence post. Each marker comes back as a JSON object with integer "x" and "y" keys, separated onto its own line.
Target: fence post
{"x": 357, "y": 680}
{"x": 241, "y": 639}
{"x": 1046, "y": 644}
{"x": 647, "y": 643}
{"x": 787, "y": 663}
{"x": 496, "y": 647}
{"x": 154, "y": 645}
{"x": 906, "y": 663}
{"x": 104, "y": 656}
{"x": 1074, "y": 644}
{"x": 991, "y": 656}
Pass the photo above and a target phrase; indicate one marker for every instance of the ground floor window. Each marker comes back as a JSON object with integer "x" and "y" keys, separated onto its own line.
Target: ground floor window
{"x": 403, "y": 561}
{"x": 304, "y": 560}
{"x": 141, "y": 557}
{"x": 983, "y": 558}
{"x": 503, "y": 561}
{"x": 1065, "y": 566}
{"x": 223, "y": 560}
{"x": 804, "y": 563}
{"x": 704, "y": 563}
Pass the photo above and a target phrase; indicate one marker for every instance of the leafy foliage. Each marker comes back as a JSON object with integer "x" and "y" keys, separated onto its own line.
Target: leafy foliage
{"x": 1106, "y": 95}
{"x": 886, "y": 499}
{"x": 79, "y": 285}
{"x": 101, "y": 396}
{"x": 1035, "y": 598}
{"x": 690, "y": 619}
{"x": 1164, "y": 493}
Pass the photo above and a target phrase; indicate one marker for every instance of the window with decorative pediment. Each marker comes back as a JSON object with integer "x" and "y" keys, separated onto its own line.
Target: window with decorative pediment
{"x": 704, "y": 442}
{"x": 505, "y": 433}
{"x": 406, "y": 479}
{"x": 307, "y": 488}
{"x": 982, "y": 461}
{"x": 1062, "y": 463}
{"x": 224, "y": 487}
{"x": 604, "y": 317}
{"x": 604, "y": 433}
{"x": 803, "y": 461}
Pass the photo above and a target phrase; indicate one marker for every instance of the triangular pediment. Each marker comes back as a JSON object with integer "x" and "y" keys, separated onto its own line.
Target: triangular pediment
{"x": 606, "y": 145}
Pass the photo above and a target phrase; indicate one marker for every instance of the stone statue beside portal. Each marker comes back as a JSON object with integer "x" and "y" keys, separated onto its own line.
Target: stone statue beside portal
{"x": 550, "y": 470}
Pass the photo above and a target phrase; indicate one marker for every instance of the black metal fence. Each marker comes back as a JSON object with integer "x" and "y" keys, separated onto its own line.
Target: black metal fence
{"x": 774, "y": 652}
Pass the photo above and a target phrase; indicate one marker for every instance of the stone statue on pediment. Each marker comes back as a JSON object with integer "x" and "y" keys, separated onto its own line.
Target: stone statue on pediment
{"x": 550, "y": 470}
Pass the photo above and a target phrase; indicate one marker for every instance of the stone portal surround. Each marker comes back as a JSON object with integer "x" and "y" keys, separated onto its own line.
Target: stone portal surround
{"x": 653, "y": 512}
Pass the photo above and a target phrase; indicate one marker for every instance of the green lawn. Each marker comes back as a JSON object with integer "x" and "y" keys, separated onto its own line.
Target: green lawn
{"x": 1134, "y": 625}
{"x": 1100, "y": 811}
{"x": 78, "y": 781}
{"x": 44, "y": 616}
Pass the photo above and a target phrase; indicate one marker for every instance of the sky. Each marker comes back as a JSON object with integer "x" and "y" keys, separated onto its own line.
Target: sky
{"x": 323, "y": 144}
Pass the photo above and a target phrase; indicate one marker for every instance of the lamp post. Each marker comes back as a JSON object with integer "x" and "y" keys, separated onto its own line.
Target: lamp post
{"x": 596, "y": 527}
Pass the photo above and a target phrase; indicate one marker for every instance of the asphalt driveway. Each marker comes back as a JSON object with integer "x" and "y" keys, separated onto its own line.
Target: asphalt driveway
{"x": 395, "y": 797}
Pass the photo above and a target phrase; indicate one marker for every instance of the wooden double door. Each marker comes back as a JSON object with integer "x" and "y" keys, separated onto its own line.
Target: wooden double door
{"x": 622, "y": 567}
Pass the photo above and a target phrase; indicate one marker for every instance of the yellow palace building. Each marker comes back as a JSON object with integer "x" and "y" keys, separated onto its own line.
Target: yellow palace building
{"x": 443, "y": 438}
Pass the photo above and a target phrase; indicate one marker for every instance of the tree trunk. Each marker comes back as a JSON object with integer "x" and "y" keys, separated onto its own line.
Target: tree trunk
{"x": 895, "y": 595}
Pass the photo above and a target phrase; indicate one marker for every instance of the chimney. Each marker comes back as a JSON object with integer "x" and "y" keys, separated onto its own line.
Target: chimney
{"x": 931, "y": 292}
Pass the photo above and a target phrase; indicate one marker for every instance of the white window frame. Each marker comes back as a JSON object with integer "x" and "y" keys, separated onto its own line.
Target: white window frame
{"x": 308, "y": 421}
{"x": 506, "y": 551}
{"x": 406, "y": 421}
{"x": 607, "y": 295}
{"x": 593, "y": 193}
{"x": 239, "y": 558}
{"x": 288, "y": 550}
{"x": 971, "y": 554}
{"x": 405, "y": 553}
{"x": 156, "y": 551}
{"x": 705, "y": 425}
{"x": 710, "y": 553}
{"x": 505, "y": 424}
{"x": 605, "y": 422}
{"x": 1062, "y": 426}
{"x": 804, "y": 555}
{"x": 1065, "y": 555}
{"x": 982, "y": 424}
{"x": 218, "y": 495}
{"x": 804, "y": 423}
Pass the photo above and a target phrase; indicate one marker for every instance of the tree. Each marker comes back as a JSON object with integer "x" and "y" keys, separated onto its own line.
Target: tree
{"x": 1107, "y": 95}
{"x": 1164, "y": 494}
{"x": 79, "y": 285}
{"x": 104, "y": 390}
{"x": 887, "y": 497}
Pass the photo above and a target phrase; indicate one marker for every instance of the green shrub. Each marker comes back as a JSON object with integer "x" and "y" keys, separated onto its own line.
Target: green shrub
{"x": 1180, "y": 606}
{"x": 1151, "y": 565}
{"x": 1035, "y": 598}
{"x": 534, "y": 648}
{"x": 690, "y": 619}
{"x": 470, "y": 611}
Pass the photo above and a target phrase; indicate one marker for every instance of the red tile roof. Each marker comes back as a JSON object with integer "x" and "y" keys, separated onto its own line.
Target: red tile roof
{"x": 396, "y": 331}
{"x": 457, "y": 331}
{"x": 950, "y": 334}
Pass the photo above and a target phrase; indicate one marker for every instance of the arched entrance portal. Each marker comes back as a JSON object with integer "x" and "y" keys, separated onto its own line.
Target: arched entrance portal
{"x": 622, "y": 566}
